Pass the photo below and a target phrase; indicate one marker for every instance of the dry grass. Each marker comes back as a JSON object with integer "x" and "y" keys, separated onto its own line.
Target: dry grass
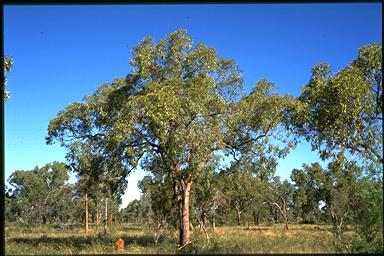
{"x": 275, "y": 239}
{"x": 260, "y": 239}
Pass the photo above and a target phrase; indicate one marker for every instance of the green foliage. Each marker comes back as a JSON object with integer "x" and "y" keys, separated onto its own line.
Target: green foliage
{"x": 309, "y": 183}
{"x": 341, "y": 116}
{"x": 40, "y": 195}
{"x": 254, "y": 130}
{"x": 157, "y": 200}
{"x": 207, "y": 196}
{"x": 238, "y": 190}
{"x": 368, "y": 217}
{"x": 170, "y": 104}
{"x": 360, "y": 200}
{"x": 350, "y": 199}
{"x": 344, "y": 112}
{"x": 282, "y": 194}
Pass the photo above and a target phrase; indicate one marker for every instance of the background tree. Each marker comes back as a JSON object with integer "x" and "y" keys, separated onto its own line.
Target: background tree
{"x": 343, "y": 114}
{"x": 256, "y": 137}
{"x": 159, "y": 195}
{"x": 39, "y": 195}
{"x": 11, "y": 211}
{"x": 238, "y": 191}
{"x": 84, "y": 162}
{"x": 308, "y": 193}
{"x": 260, "y": 211}
{"x": 207, "y": 197}
{"x": 368, "y": 216}
{"x": 131, "y": 213}
{"x": 97, "y": 173}
{"x": 280, "y": 199}
{"x": 341, "y": 193}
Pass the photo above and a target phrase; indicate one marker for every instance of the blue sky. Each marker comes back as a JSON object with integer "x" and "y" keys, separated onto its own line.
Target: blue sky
{"x": 63, "y": 53}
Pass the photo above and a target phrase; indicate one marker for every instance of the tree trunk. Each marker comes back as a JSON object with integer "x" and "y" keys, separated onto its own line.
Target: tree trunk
{"x": 214, "y": 223}
{"x": 191, "y": 228}
{"x": 86, "y": 213}
{"x": 110, "y": 216}
{"x": 201, "y": 222}
{"x": 283, "y": 212}
{"x": 274, "y": 218}
{"x": 286, "y": 222}
{"x": 338, "y": 223}
{"x": 97, "y": 214}
{"x": 285, "y": 216}
{"x": 106, "y": 215}
{"x": 257, "y": 218}
{"x": 184, "y": 236}
{"x": 238, "y": 213}
{"x": 202, "y": 225}
{"x": 21, "y": 216}
{"x": 179, "y": 199}
{"x": 182, "y": 190}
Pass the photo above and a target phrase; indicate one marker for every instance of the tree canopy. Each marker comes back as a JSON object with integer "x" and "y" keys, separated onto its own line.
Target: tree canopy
{"x": 344, "y": 111}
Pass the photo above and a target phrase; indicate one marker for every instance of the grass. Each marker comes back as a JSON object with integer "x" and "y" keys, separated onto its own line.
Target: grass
{"x": 50, "y": 239}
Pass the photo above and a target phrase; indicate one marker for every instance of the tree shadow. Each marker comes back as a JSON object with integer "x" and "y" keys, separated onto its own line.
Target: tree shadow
{"x": 256, "y": 228}
{"x": 127, "y": 229}
{"x": 82, "y": 242}
{"x": 139, "y": 240}
{"x": 74, "y": 241}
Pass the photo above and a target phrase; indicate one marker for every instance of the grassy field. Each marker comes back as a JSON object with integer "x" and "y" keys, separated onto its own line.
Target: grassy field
{"x": 50, "y": 239}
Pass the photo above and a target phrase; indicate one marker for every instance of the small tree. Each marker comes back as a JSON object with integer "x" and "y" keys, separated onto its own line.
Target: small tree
{"x": 157, "y": 191}
{"x": 309, "y": 192}
{"x": 368, "y": 216}
{"x": 207, "y": 197}
{"x": 281, "y": 198}
{"x": 238, "y": 191}
{"x": 341, "y": 193}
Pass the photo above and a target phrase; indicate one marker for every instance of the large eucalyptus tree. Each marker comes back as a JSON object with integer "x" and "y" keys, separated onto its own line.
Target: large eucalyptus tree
{"x": 175, "y": 106}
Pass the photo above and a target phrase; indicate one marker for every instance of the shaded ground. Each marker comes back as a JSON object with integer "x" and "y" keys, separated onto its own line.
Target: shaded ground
{"x": 51, "y": 239}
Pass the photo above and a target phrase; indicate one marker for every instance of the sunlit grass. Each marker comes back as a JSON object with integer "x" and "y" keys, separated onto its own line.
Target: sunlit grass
{"x": 50, "y": 239}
